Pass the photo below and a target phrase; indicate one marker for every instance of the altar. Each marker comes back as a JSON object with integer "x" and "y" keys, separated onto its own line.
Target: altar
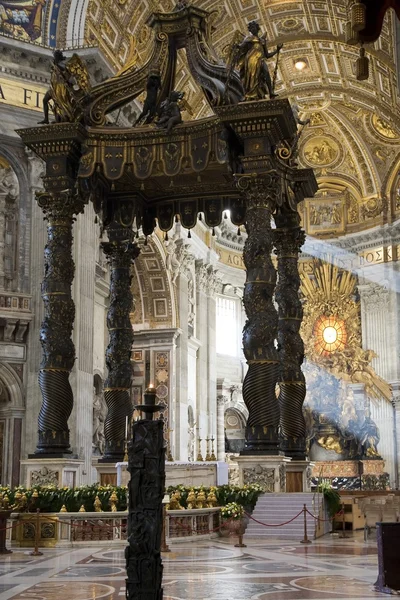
{"x": 190, "y": 474}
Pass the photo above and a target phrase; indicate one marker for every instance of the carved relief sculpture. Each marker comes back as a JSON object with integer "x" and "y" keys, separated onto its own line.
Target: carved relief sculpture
{"x": 261, "y": 475}
{"x": 99, "y": 416}
{"x": 44, "y": 476}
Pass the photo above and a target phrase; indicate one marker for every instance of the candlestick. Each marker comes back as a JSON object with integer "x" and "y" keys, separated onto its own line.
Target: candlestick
{"x": 199, "y": 456}
{"x": 208, "y": 449}
{"x": 212, "y": 457}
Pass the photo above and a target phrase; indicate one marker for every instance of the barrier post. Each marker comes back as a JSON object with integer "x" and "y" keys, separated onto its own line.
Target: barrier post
{"x": 36, "y": 551}
{"x": 343, "y": 522}
{"x": 240, "y": 535}
{"x": 164, "y": 545}
{"x": 305, "y": 540}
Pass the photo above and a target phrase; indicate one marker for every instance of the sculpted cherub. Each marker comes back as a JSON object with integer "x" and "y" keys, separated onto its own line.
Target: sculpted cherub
{"x": 170, "y": 111}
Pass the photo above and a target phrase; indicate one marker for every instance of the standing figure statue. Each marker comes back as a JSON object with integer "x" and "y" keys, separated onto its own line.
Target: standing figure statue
{"x": 150, "y": 104}
{"x": 99, "y": 416}
{"x": 69, "y": 85}
{"x": 369, "y": 438}
{"x": 251, "y": 57}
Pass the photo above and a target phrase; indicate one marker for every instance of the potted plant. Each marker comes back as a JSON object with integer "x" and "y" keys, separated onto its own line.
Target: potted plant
{"x": 232, "y": 517}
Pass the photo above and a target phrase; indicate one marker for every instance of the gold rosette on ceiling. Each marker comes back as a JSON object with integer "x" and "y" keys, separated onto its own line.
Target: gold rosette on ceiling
{"x": 331, "y": 328}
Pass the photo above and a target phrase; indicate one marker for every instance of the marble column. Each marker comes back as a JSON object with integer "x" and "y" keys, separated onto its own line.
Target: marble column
{"x": 207, "y": 283}
{"x": 58, "y": 358}
{"x": 221, "y": 402}
{"x": 121, "y": 252}
{"x": 83, "y": 290}
{"x": 381, "y": 333}
{"x": 260, "y": 330}
{"x": 289, "y": 238}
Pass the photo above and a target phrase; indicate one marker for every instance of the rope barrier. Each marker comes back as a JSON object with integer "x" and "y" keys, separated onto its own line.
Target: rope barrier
{"x": 275, "y": 524}
{"x": 338, "y": 514}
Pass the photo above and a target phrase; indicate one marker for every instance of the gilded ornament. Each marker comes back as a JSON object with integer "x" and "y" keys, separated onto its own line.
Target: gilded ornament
{"x": 191, "y": 500}
{"x": 383, "y": 127}
{"x": 321, "y": 151}
{"x": 97, "y": 505}
{"x": 113, "y": 502}
{"x": 329, "y": 294}
{"x": 69, "y": 87}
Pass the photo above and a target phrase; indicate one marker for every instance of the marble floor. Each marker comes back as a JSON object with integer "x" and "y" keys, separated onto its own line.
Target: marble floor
{"x": 213, "y": 570}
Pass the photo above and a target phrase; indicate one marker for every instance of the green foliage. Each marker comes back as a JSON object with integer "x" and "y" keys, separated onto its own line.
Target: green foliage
{"x": 51, "y": 499}
{"x": 246, "y": 496}
{"x": 331, "y": 497}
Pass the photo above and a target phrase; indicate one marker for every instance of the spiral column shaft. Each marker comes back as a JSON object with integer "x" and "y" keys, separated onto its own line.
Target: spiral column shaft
{"x": 260, "y": 329}
{"x": 289, "y": 238}
{"x": 58, "y": 356}
{"x": 121, "y": 253}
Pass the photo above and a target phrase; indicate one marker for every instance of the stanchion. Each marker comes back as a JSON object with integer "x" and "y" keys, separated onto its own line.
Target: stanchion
{"x": 164, "y": 545}
{"x": 343, "y": 522}
{"x": 240, "y": 536}
{"x": 36, "y": 551}
{"x": 4, "y": 515}
{"x": 305, "y": 540}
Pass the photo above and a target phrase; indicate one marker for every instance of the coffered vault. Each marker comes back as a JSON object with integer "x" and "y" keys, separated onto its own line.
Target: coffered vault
{"x": 352, "y": 141}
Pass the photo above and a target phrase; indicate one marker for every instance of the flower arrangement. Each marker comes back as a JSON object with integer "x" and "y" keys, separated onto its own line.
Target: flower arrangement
{"x": 49, "y": 498}
{"x": 232, "y": 511}
{"x": 246, "y": 495}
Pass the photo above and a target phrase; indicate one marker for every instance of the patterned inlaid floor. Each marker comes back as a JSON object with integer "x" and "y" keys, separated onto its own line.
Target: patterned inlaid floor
{"x": 214, "y": 570}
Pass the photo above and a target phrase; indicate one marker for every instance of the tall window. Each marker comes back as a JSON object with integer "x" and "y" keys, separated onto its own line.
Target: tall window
{"x": 227, "y": 326}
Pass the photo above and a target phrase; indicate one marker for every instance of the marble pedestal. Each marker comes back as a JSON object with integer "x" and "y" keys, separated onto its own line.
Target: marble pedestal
{"x": 268, "y": 471}
{"x": 123, "y": 475}
{"x": 61, "y": 472}
{"x": 106, "y": 472}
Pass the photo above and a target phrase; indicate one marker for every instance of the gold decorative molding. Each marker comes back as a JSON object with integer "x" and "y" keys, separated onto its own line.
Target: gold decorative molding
{"x": 21, "y": 94}
{"x": 331, "y": 329}
{"x": 230, "y": 257}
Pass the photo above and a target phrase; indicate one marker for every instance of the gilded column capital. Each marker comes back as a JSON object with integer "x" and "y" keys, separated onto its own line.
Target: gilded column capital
{"x": 261, "y": 191}
{"x": 64, "y": 204}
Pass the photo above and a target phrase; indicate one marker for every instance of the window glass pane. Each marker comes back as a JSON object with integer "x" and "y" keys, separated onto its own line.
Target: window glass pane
{"x": 227, "y": 342}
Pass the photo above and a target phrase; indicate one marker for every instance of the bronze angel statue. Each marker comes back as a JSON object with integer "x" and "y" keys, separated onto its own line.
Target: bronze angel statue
{"x": 250, "y": 53}
{"x": 69, "y": 85}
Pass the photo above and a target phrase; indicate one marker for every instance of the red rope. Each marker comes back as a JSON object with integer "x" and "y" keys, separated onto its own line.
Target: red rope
{"x": 325, "y": 520}
{"x": 275, "y": 524}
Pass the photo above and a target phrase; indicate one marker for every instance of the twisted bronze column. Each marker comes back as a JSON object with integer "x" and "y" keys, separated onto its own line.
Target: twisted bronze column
{"x": 59, "y": 208}
{"x": 121, "y": 252}
{"x": 289, "y": 238}
{"x": 260, "y": 329}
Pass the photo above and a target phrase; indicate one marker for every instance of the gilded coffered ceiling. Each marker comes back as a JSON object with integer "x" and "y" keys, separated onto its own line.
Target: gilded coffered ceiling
{"x": 353, "y": 139}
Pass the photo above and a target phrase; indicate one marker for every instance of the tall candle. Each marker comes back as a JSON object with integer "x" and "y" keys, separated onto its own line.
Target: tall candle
{"x": 126, "y": 428}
